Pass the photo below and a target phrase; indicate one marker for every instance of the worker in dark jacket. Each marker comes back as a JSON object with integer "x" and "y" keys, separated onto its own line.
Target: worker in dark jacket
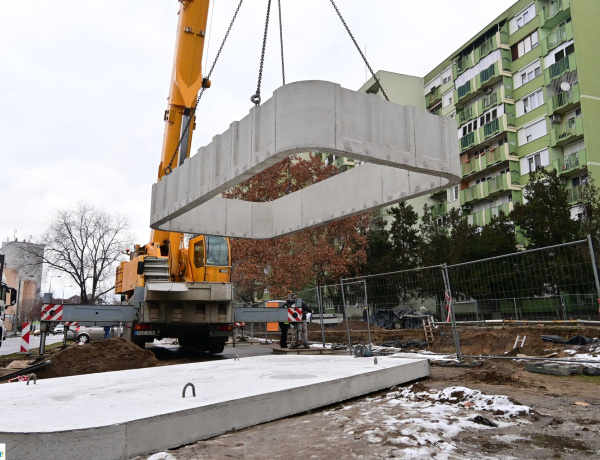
{"x": 300, "y": 332}
{"x": 284, "y": 327}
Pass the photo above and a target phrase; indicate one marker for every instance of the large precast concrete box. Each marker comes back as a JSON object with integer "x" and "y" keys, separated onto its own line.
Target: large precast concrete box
{"x": 407, "y": 152}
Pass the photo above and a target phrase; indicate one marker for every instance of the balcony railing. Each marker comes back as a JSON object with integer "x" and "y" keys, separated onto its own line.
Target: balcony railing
{"x": 440, "y": 209}
{"x": 433, "y": 96}
{"x": 464, "y": 89}
{"x": 574, "y": 194}
{"x": 476, "y": 192}
{"x": 487, "y": 74}
{"x": 467, "y": 141}
{"x": 489, "y": 101}
{"x": 565, "y": 98}
{"x": 561, "y": 99}
{"x": 463, "y": 64}
{"x": 564, "y": 65}
{"x": 575, "y": 160}
{"x": 555, "y": 7}
{"x": 484, "y": 217}
{"x": 487, "y": 47}
{"x": 491, "y": 128}
{"x": 556, "y": 38}
{"x": 561, "y": 134}
{"x": 465, "y": 115}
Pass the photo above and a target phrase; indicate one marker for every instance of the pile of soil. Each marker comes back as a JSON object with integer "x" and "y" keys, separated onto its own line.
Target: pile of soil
{"x": 103, "y": 356}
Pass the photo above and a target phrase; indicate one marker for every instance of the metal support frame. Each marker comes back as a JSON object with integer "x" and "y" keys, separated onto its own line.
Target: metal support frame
{"x": 446, "y": 278}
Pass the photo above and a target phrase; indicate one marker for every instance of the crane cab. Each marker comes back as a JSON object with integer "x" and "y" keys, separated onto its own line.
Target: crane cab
{"x": 210, "y": 258}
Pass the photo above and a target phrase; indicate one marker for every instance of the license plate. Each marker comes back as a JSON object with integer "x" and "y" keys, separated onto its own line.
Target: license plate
{"x": 144, "y": 333}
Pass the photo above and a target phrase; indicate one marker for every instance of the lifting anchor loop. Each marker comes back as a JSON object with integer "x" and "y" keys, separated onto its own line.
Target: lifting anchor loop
{"x": 255, "y": 99}
{"x": 32, "y": 376}
{"x": 189, "y": 384}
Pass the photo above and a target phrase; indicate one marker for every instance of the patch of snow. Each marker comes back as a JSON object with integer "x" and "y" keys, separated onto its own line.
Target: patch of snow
{"x": 162, "y": 456}
{"x": 424, "y": 423}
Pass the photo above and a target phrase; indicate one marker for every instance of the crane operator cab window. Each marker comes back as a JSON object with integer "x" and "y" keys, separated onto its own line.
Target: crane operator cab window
{"x": 199, "y": 254}
{"x": 217, "y": 251}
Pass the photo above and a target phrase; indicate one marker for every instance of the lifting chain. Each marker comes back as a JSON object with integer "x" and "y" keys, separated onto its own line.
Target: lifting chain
{"x": 169, "y": 167}
{"x": 358, "y": 48}
{"x": 281, "y": 41}
{"x": 256, "y": 97}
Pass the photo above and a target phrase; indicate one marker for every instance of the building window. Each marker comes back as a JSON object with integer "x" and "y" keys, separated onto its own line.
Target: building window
{"x": 533, "y": 101}
{"x": 525, "y": 45}
{"x": 453, "y": 193}
{"x": 488, "y": 117}
{"x": 559, "y": 55}
{"x": 530, "y": 75}
{"x": 534, "y": 162}
{"x": 446, "y": 79}
{"x": 529, "y": 138}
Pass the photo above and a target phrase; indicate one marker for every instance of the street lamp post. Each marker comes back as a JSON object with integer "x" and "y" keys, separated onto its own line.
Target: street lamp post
{"x": 63, "y": 296}
{"x": 50, "y": 287}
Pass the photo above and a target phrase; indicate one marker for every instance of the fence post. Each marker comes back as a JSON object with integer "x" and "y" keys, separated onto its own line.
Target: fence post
{"x": 516, "y": 310}
{"x": 448, "y": 289}
{"x": 594, "y": 267}
{"x": 368, "y": 316}
{"x": 322, "y": 311}
{"x": 345, "y": 316}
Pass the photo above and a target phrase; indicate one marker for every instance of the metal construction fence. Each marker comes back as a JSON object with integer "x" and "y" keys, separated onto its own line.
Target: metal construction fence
{"x": 556, "y": 284}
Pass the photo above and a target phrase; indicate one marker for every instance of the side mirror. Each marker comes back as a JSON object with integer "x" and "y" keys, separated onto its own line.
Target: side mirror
{"x": 13, "y": 296}
{"x": 140, "y": 268}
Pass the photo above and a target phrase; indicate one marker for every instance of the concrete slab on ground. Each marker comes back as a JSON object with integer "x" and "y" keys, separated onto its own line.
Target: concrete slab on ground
{"x": 116, "y": 415}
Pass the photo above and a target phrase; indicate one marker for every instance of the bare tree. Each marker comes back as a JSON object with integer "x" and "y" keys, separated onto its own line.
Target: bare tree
{"x": 85, "y": 244}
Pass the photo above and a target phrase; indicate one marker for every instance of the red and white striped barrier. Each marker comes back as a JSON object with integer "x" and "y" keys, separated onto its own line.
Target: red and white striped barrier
{"x": 51, "y": 312}
{"x": 25, "y": 337}
{"x": 294, "y": 314}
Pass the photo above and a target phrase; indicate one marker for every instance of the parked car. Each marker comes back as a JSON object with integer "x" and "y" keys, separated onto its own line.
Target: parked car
{"x": 59, "y": 329}
{"x": 91, "y": 333}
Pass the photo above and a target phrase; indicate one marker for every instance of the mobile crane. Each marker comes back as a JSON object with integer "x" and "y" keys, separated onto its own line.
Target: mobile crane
{"x": 181, "y": 292}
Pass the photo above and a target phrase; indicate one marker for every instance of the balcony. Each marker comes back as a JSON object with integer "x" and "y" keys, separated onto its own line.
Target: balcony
{"x": 563, "y": 34}
{"x": 503, "y": 183}
{"x": 574, "y": 194}
{"x": 433, "y": 97}
{"x": 567, "y": 133}
{"x": 460, "y": 66}
{"x": 552, "y": 12}
{"x": 440, "y": 209}
{"x": 491, "y": 128}
{"x": 484, "y": 217}
{"x": 570, "y": 164}
{"x": 466, "y": 115}
{"x": 492, "y": 157}
{"x": 469, "y": 140}
{"x": 490, "y": 188}
{"x": 474, "y": 193}
{"x": 505, "y": 122}
{"x": 466, "y": 92}
{"x": 565, "y": 101}
{"x": 557, "y": 69}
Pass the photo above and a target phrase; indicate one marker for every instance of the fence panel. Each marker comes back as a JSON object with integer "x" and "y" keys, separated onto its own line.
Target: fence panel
{"x": 552, "y": 283}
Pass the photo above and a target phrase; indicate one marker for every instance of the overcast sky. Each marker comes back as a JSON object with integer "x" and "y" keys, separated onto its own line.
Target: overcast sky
{"x": 84, "y": 85}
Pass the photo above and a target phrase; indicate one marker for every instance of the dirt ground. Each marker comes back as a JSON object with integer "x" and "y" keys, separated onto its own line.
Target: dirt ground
{"x": 564, "y": 422}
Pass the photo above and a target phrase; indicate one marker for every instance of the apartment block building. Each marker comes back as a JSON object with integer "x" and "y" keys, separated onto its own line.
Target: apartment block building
{"x": 525, "y": 93}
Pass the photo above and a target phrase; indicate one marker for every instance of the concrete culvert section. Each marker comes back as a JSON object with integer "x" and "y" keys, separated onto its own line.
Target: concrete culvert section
{"x": 139, "y": 411}
{"x": 408, "y": 152}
